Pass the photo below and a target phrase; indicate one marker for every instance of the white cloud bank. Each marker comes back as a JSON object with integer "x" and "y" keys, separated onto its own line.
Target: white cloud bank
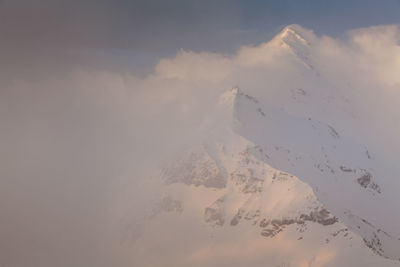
{"x": 77, "y": 147}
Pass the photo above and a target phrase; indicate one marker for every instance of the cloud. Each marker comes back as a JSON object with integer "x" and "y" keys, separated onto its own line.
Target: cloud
{"x": 78, "y": 144}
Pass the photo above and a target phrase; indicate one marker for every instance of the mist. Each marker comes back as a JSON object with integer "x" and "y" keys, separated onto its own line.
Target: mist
{"x": 80, "y": 142}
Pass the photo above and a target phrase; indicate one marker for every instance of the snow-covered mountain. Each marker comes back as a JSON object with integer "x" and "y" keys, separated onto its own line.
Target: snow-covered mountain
{"x": 278, "y": 181}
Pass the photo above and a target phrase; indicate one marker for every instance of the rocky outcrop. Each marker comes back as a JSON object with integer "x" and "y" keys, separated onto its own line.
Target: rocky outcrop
{"x": 275, "y": 226}
{"x": 167, "y": 204}
{"x": 214, "y": 215}
{"x": 198, "y": 169}
{"x": 366, "y": 182}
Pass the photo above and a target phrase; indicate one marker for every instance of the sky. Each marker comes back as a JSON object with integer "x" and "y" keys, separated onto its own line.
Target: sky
{"x": 117, "y": 34}
{"x": 94, "y": 95}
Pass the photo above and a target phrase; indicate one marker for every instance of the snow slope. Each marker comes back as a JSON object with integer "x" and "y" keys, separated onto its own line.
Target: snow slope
{"x": 315, "y": 136}
{"x": 281, "y": 179}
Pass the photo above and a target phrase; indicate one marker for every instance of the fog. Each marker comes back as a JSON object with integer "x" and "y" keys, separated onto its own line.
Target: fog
{"x": 79, "y": 144}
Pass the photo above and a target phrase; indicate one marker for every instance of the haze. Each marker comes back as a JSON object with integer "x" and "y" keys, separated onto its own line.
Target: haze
{"x": 96, "y": 97}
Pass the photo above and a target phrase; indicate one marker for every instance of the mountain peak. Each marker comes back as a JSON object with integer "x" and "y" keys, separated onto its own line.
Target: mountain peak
{"x": 294, "y": 35}
{"x": 293, "y": 27}
{"x": 228, "y": 97}
{"x": 298, "y": 41}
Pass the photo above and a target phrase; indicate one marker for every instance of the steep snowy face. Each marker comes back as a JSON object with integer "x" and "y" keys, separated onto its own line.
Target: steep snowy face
{"x": 297, "y": 41}
{"x": 222, "y": 195}
{"x": 346, "y": 176}
{"x": 314, "y": 131}
{"x": 238, "y": 186}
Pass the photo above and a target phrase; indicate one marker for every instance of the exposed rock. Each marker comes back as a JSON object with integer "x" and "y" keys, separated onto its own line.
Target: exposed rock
{"x": 345, "y": 169}
{"x": 214, "y": 214}
{"x": 270, "y": 232}
{"x": 333, "y": 132}
{"x": 264, "y": 223}
{"x": 320, "y": 215}
{"x": 368, "y": 154}
{"x": 248, "y": 182}
{"x": 238, "y": 216}
{"x": 235, "y": 220}
{"x": 197, "y": 169}
{"x": 366, "y": 182}
{"x": 299, "y": 92}
{"x": 167, "y": 204}
{"x": 259, "y": 110}
{"x": 374, "y": 244}
{"x": 281, "y": 176}
{"x": 344, "y": 230}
